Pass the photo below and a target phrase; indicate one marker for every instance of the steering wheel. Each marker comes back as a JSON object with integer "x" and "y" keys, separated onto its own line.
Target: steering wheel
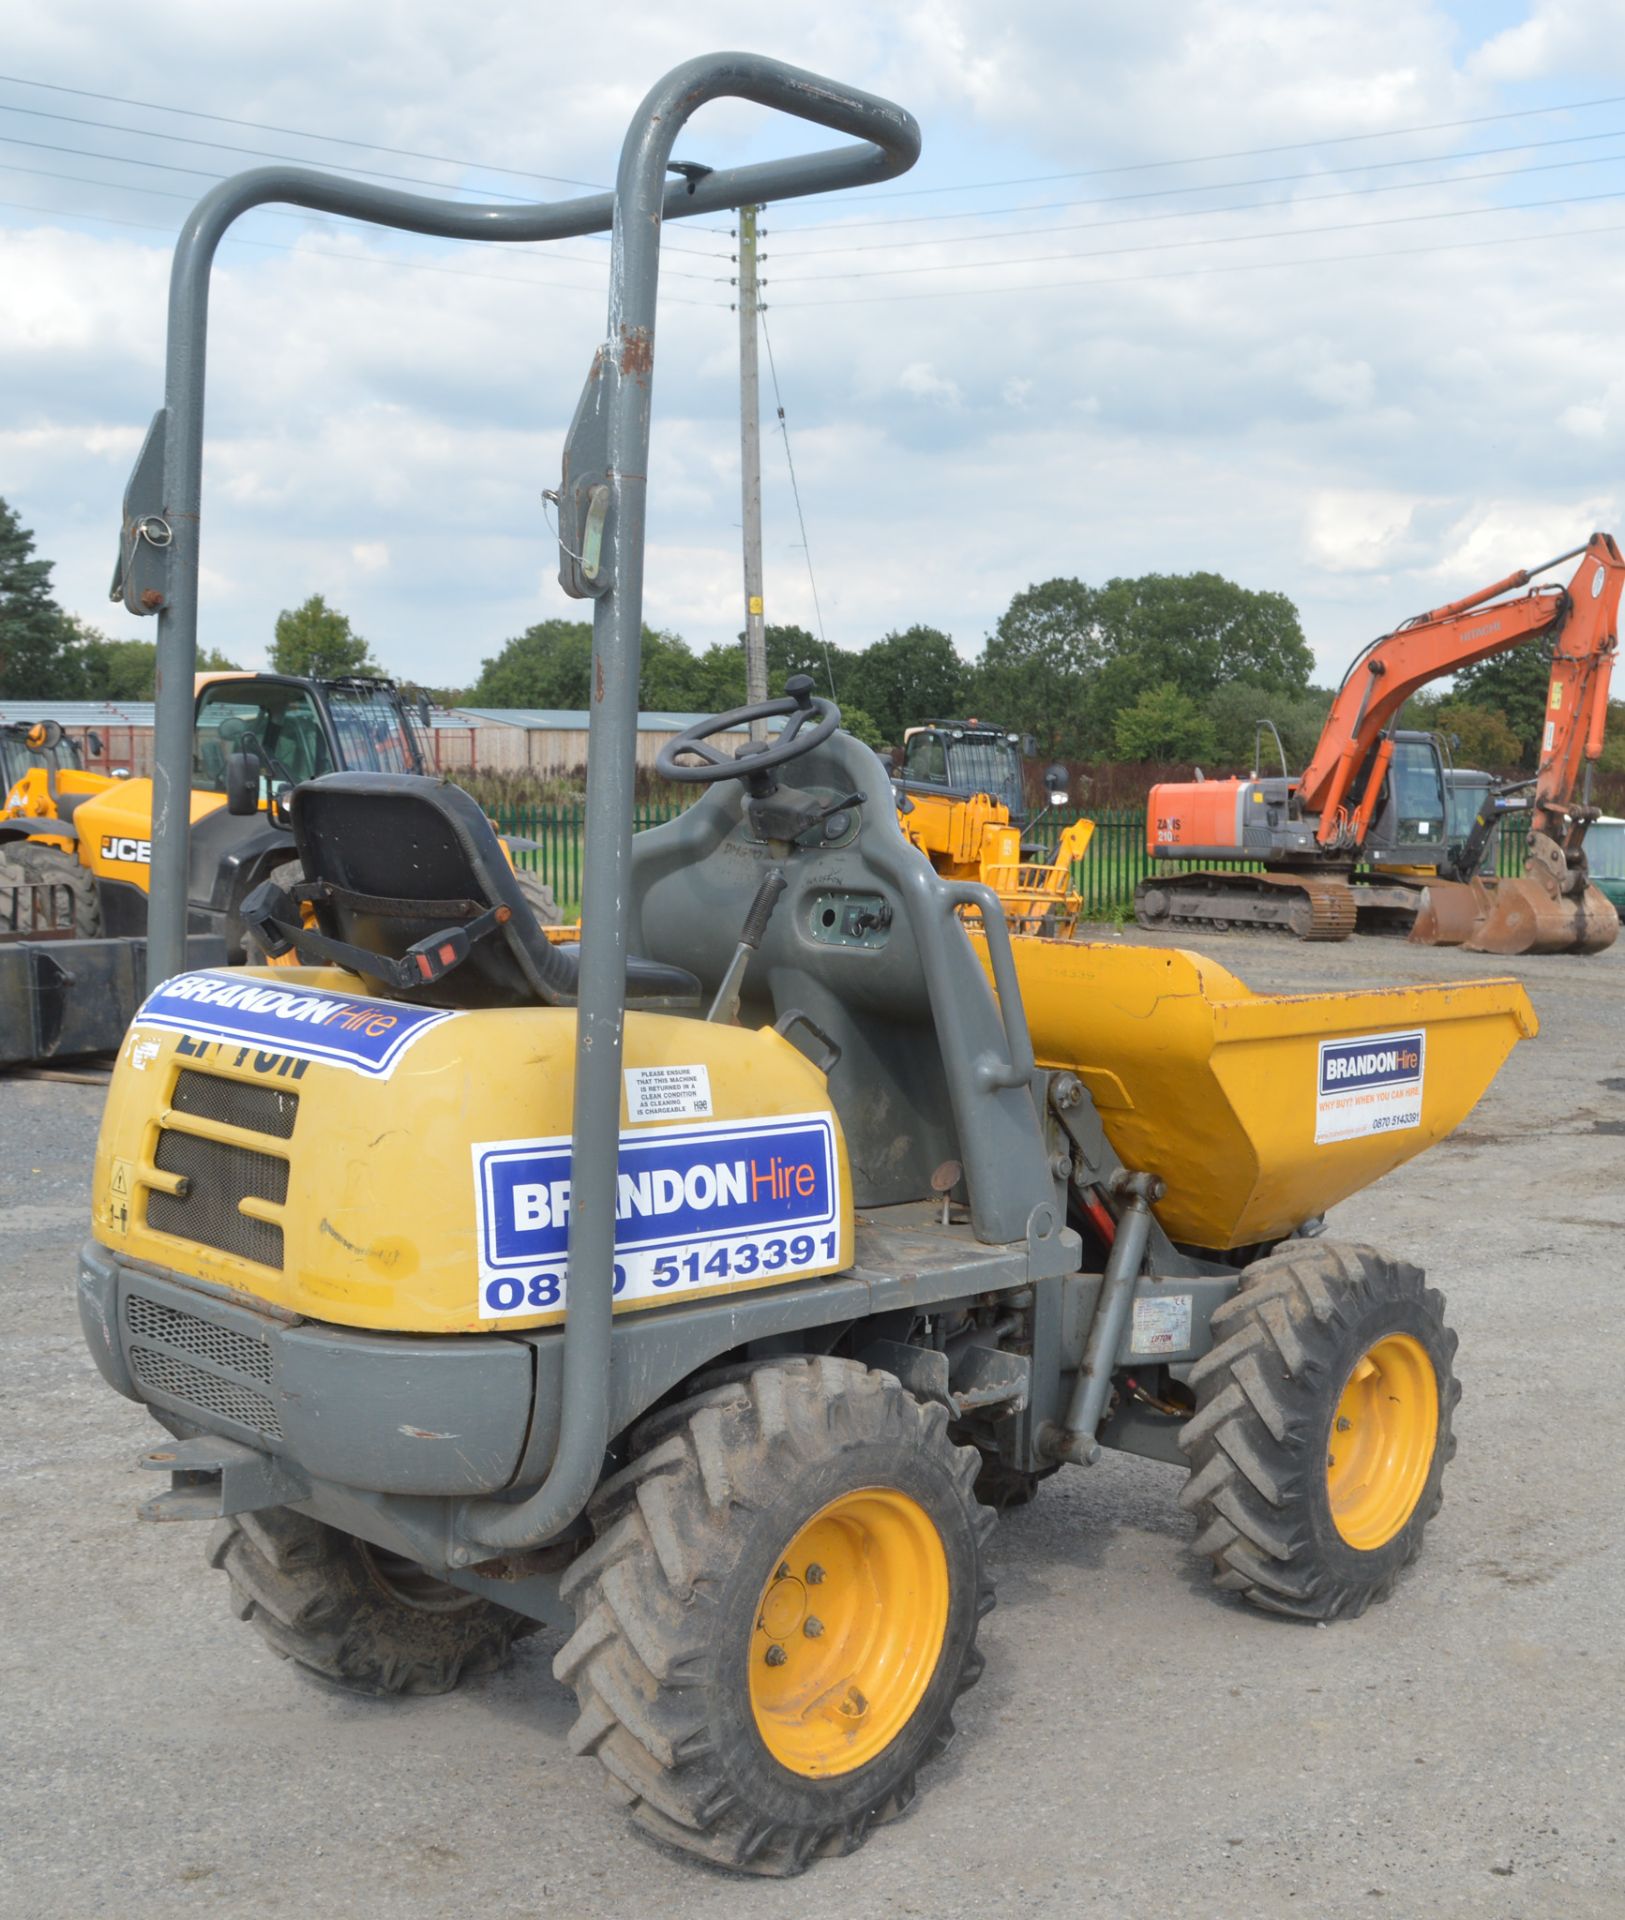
{"x": 799, "y": 706}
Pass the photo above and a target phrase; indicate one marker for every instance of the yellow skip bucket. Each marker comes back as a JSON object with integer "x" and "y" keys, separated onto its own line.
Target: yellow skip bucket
{"x": 1260, "y": 1110}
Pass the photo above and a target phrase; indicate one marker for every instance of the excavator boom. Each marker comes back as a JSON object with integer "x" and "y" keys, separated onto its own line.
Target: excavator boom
{"x": 1310, "y": 834}
{"x": 1349, "y": 760}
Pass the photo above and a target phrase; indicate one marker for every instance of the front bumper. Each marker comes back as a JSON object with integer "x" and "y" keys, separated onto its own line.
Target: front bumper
{"x": 385, "y": 1413}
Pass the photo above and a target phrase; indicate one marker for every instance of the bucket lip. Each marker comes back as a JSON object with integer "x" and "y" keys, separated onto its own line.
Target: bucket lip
{"x": 1439, "y": 1003}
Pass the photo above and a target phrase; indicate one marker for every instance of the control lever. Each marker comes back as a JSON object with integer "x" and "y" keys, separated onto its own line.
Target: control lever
{"x": 725, "y": 1007}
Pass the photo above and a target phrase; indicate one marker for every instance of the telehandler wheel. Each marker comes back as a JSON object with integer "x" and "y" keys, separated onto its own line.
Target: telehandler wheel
{"x": 539, "y": 896}
{"x": 1322, "y": 1429}
{"x": 26, "y": 863}
{"x": 354, "y": 1614}
{"x": 778, "y": 1613}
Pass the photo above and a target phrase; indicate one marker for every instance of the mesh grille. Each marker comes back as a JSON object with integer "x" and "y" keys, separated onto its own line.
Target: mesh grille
{"x": 220, "y": 1176}
{"x": 230, "y": 1102}
{"x": 165, "y": 1373}
{"x": 240, "y": 1352}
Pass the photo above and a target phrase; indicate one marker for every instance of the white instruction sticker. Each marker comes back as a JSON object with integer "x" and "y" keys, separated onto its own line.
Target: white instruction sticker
{"x": 1162, "y": 1323}
{"x": 668, "y": 1093}
{"x": 1369, "y": 1085}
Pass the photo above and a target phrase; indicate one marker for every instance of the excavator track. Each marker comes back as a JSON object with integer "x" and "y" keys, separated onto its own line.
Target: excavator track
{"x": 1303, "y": 906}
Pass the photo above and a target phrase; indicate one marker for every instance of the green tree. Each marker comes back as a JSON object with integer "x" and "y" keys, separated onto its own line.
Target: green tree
{"x": 1038, "y": 662}
{"x": 1193, "y": 631}
{"x": 905, "y": 677}
{"x": 39, "y": 653}
{"x": 1164, "y": 724}
{"x": 1480, "y": 736}
{"x": 1236, "y": 708}
{"x": 548, "y": 665}
{"x": 317, "y": 640}
{"x": 1514, "y": 686}
{"x": 128, "y": 669}
{"x": 862, "y": 727}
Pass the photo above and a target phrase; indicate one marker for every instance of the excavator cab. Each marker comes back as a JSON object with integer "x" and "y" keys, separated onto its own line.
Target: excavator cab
{"x": 1412, "y": 823}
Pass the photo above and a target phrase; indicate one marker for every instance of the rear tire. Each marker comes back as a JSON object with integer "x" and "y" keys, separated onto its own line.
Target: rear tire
{"x": 697, "y": 1644}
{"x": 27, "y": 863}
{"x": 365, "y": 1619}
{"x": 1322, "y": 1429}
{"x": 540, "y": 896}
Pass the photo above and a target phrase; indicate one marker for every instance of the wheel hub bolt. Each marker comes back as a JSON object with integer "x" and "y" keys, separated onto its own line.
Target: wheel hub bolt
{"x": 784, "y": 1571}
{"x": 1343, "y": 1424}
{"x": 812, "y": 1627}
{"x": 776, "y": 1656}
{"x": 815, "y": 1574}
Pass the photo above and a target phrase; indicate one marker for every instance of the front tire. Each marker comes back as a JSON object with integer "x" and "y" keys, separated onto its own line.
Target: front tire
{"x": 343, "y": 1609}
{"x": 778, "y": 1613}
{"x": 28, "y": 863}
{"x": 1322, "y": 1429}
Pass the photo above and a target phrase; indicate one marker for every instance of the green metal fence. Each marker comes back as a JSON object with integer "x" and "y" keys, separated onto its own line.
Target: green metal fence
{"x": 1115, "y": 864}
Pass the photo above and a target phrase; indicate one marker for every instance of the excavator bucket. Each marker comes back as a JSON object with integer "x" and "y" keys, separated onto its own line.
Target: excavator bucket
{"x": 1451, "y": 912}
{"x": 1526, "y": 916}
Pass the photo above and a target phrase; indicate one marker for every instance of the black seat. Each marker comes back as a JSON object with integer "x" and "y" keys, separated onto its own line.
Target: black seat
{"x": 393, "y": 859}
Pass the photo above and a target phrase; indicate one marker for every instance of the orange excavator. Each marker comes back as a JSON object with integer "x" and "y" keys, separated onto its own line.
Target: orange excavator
{"x": 1362, "y": 838}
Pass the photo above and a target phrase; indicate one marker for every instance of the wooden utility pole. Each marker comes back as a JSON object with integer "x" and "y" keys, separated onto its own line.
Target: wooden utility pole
{"x": 750, "y": 465}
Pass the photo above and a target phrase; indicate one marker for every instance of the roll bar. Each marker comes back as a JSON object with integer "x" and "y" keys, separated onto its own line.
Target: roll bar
{"x": 601, "y": 519}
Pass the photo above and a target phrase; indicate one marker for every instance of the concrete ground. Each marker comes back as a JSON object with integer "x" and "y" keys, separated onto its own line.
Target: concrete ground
{"x": 1139, "y": 1745}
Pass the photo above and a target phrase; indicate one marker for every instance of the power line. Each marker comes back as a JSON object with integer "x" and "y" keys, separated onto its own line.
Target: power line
{"x": 1219, "y": 186}
{"x": 1198, "y": 273}
{"x": 1215, "y": 240}
{"x": 224, "y": 146}
{"x": 277, "y": 213}
{"x": 1240, "y": 153}
{"x": 300, "y": 133}
{"x": 795, "y": 490}
{"x": 1240, "y": 206}
{"x": 397, "y": 262}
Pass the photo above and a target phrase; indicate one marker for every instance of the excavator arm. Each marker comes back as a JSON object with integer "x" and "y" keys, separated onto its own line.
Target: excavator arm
{"x": 1343, "y": 782}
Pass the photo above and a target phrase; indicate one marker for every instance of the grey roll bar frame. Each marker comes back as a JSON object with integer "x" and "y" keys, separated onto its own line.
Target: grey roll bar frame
{"x": 158, "y": 573}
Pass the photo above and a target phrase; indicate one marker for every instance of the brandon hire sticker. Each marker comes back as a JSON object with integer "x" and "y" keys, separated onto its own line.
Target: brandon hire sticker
{"x": 340, "y": 1029}
{"x": 733, "y": 1204}
{"x": 1369, "y": 1085}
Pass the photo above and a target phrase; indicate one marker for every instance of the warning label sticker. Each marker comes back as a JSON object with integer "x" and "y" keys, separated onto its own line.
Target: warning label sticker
{"x": 120, "y": 1185}
{"x": 1369, "y": 1085}
{"x": 668, "y": 1093}
{"x": 1162, "y": 1324}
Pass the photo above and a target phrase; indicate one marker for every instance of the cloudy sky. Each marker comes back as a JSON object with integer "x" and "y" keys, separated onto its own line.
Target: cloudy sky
{"x": 1325, "y": 295}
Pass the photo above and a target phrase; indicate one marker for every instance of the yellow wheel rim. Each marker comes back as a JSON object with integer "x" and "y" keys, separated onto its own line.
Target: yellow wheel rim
{"x": 849, "y": 1630}
{"x": 1380, "y": 1449}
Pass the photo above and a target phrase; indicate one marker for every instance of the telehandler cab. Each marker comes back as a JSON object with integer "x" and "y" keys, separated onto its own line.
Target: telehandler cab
{"x": 704, "y": 1289}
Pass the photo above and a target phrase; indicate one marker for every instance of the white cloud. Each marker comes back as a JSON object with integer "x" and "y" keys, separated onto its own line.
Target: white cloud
{"x": 1359, "y": 532}
{"x": 922, "y": 382}
{"x": 1369, "y": 435}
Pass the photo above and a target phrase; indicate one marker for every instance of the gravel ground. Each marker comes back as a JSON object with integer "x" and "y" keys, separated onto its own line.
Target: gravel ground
{"x": 1138, "y": 1745}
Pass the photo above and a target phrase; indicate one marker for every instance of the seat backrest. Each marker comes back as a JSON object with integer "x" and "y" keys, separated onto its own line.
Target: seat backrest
{"x": 405, "y": 856}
